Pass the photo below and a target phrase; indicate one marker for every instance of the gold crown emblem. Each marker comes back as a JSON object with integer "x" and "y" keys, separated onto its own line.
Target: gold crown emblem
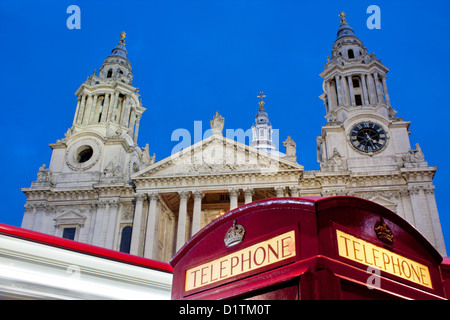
{"x": 383, "y": 232}
{"x": 234, "y": 235}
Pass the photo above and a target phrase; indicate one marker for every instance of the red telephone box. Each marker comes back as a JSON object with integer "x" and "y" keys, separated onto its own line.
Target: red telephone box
{"x": 308, "y": 248}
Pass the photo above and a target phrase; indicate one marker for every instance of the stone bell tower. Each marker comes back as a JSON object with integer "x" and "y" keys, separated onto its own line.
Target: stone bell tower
{"x": 364, "y": 149}
{"x": 86, "y": 189}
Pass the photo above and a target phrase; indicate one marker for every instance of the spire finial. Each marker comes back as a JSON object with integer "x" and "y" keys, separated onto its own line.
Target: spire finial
{"x": 342, "y": 15}
{"x": 122, "y": 37}
{"x": 261, "y": 101}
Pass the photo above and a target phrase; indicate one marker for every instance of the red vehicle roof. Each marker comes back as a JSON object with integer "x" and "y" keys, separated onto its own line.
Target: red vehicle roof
{"x": 84, "y": 248}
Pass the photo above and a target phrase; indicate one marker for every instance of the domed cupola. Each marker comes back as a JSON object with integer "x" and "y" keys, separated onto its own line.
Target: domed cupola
{"x": 261, "y": 117}
{"x": 344, "y": 30}
{"x": 116, "y": 66}
{"x": 347, "y": 44}
{"x": 262, "y": 129}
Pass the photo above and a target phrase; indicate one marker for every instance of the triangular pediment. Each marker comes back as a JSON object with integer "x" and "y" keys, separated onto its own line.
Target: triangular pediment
{"x": 217, "y": 155}
{"x": 385, "y": 203}
{"x": 70, "y": 217}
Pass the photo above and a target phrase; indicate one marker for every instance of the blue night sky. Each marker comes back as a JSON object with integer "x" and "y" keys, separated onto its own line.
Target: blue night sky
{"x": 191, "y": 58}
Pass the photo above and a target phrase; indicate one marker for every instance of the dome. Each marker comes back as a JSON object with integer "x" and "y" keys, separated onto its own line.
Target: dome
{"x": 345, "y": 31}
{"x": 262, "y": 117}
{"x": 120, "y": 50}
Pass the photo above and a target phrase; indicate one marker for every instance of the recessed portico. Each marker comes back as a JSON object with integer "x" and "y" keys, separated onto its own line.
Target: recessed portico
{"x": 194, "y": 194}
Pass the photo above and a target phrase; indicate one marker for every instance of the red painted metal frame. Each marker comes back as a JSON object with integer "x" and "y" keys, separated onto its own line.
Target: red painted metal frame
{"x": 84, "y": 248}
{"x": 315, "y": 221}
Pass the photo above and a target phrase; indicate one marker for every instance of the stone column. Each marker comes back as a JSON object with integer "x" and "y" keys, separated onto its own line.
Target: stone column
{"x": 248, "y": 194}
{"x": 136, "y": 130}
{"x": 386, "y": 94}
{"x": 137, "y": 222}
{"x": 87, "y": 110}
{"x": 234, "y": 193}
{"x": 81, "y": 110}
{"x": 338, "y": 90}
{"x": 111, "y": 225}
{"x": 131, "y": 122}
{"x": 345, "y": 92}
{"x": 407, "y": 209}
{"x": 77, "y": 110}
{"x": 378, "y": 88}
{"x": 96, "y": 234}
{"x": 435, "y": 221}
{"x": 372, "y": 91}
{"x": 295, "y": 191}
{"x": 364, "y": 89}
{"x": 105, "y": 108}
{"x": 93, "y": 109}
{"x": 197, "y": 214}
{"x": 331, "y": 103}
{"x": 182, "y": 214}
{"x": 151, "y": 237}
{"x": 280, "y": 191}
{"x": 112, "y": 106}
{"x": 421, "y": 214}
{"x": 351, "y": 93}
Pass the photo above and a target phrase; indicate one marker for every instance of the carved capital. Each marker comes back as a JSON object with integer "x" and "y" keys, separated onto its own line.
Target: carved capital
{"x": 153, "y": 196}
{"x": 234, "y": 192}
{"x": 248, "y": 192}
{"x": 198, "y": 194}
{"x": 184, "y": 195}
{"x": 140, "y": 196}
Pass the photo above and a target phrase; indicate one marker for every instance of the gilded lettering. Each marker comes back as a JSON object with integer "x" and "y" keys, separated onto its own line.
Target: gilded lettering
{"x": 386, "y": 260}
{"x": 263, "y": 258}
{"x": 212, "y": 271}
{"x": 271, "y": 249}
{"x": 248, "y": 259}
{"x": 415, "y": 273}
{"x": 204, "y": 275}
{"x": 346, "y": 247}
{"x": 287, "y": 245}
{"x": 375, "y": 257}
{"x": 222, "y": 268}
{"x": 245, "y": 260}
{"x": 195, "y": 276}
{"x": 403, "y": 269}
{"x": 234, "y": 265}
{"x": 356, "y": 250}
{"x": 365, "y": 256}
{"x": 423, "y": 276}
{"x": 396, "y": 265}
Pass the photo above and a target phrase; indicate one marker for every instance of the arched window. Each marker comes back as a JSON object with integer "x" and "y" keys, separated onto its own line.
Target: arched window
{"x": 109, "y": 73}
{"x": 125, "y": 240}
{"x": 351, "y": 54}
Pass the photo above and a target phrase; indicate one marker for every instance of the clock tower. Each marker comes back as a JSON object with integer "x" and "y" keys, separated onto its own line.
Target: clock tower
{"x": 362, "y": 126}
{"x": 364, "y": 146}
{"x": 86, "y": 193}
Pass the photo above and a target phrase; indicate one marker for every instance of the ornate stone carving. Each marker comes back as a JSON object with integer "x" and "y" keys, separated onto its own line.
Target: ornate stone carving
{"x": 414, "y": 158}
{"x": 43, "y": 174}
{"x": 146, "y": 159}
{"x": 217, "y": 124}
{"x": 334, "y": 163}
{"x": 291, "y": 149}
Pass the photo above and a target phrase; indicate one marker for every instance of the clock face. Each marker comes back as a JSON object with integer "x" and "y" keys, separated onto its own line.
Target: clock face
{"x": 368, "y": 137}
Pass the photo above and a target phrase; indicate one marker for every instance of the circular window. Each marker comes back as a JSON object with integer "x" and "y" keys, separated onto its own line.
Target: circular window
{"x": 84, "y": 154}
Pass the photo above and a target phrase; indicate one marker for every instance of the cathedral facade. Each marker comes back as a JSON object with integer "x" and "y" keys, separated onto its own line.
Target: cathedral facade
{"x": 101, "y": 188}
